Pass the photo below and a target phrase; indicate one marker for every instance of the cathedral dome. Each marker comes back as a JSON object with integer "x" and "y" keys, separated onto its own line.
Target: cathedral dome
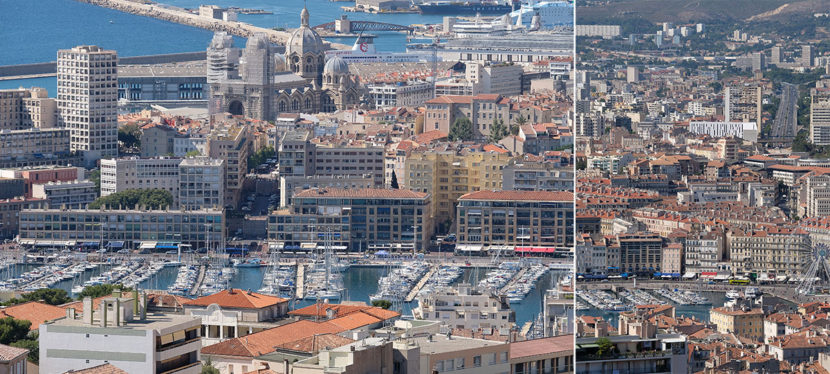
{"x": 336, "y": 66}
{"x": 304, "y": 39}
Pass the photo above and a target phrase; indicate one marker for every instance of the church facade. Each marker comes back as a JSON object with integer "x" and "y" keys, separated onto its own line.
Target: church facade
{"x": 258, "y": 82}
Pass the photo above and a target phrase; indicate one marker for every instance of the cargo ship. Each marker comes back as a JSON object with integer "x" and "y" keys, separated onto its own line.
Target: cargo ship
{"x": 458, "y": 8}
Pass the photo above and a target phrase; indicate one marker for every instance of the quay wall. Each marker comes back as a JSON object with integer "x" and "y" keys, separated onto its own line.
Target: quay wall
{"x": 42, "y": 68}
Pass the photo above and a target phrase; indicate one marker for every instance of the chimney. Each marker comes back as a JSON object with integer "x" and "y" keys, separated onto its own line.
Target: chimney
{"x": 143, "y": 306}
{"x": 285, "y": 366}
{"x": 103, "y": 313}
{"x": 135, "y": 302}
{"x": 88, "y": 312}
{"x": 119, "y": 317}
{"x": 70, "y": 313}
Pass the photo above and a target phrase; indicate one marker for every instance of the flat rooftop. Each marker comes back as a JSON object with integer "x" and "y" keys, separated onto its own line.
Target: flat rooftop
{"x": 173, "y": 69}
{"x": 440, "y": 344}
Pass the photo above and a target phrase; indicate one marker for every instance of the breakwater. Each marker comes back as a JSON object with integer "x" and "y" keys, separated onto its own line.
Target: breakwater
{"x": 182, "y": 16}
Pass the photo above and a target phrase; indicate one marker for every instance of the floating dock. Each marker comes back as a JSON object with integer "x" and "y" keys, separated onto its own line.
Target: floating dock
{"x": 414, "y": 292}
{"x": 199, "y": 280}
{"x": 300, "y": 281}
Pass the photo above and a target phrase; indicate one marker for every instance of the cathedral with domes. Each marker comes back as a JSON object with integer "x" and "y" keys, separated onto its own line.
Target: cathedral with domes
{"x": 258, "y": 82}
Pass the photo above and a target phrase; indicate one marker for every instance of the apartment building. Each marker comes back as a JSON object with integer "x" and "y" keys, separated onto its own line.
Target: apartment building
{"x": 463, "y": 307}
{"x": 773, "y": 250}
{"x": 537, "y": 176}
{"x": 500, "y": 78}
{"x": 120, "y": 174}
{"x": 304, "y": 161}
{"x": 23, "y": 108}
{"x": 446, "y": 353}
{"x": 354, "y": 219}
{"x": 70, "y": 195}
{"x": 87, "y": 100}
{"x": 704, "y": 252}
{"x": 748, "y": 323}
{"x": 818, "y": 195}
{"x": 39, "y": 175}
{"x": 201, "y": 183}
{"x": 131, "y": 229}
{"x": 233, "y": 146}
{"x": 32, "y": 144}
{"x": 447, "y": 174}
{"x": 744, "y": 130}
{"x": 481, "y": 110}
{"x": 120, "y": 332}
{"x": 655, "y": 353}
{"x": 742, "y": 103}
{"x": 516, "y": 218}
{"x": 640, "y": 253}
{"x": 820, "y": 118}
{"x": 552, "y": 355}
{"x": 388, "y": 95}
{"x": 10, "y": 214}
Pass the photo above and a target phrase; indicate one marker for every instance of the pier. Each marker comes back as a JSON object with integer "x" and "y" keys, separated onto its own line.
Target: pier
{"x": 513, "y": 280}
{"x": 49, "y": 69}
{"x": 414, "y": 292}
{"x": 199, "y": 280}
{"x": 182, "y": 16}
{"x": 787, "y": 292}
{"x": 300, "y": 281}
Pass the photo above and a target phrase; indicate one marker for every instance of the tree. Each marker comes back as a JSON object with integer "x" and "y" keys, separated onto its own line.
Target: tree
{"x": 461, "y": 129}
{"x": 605, "y": 347}
{"x": 30, "y": 343}
{"x": 193, "y": 153}
{"x": 102, "y": 290}
{"x": 130, "y": 135}
{"x": 12, "y": 330}
{"x": 208, "y": 368}
{"x": 498, "y": 131}
{"x": 520, "y": 121}
{"x": 95, "y": 176}
{"x": 395, "y": 181}
{"x": 260, "y": 157}
{"x": 385, "y": 304}
{"x": 154, "y": 198}
{"x": 51, "y": 296}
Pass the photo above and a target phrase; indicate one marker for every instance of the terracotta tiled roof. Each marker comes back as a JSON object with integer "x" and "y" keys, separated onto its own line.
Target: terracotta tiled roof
{"x": 341, "y": 310}
{"x": 493, "y": 148}
{"x": 100, "y": 369}
{"x": 263, "y": 342}
{"x": 8, "y": 353}
{"x": 313, "y": 344}
{"x": 354, "y": 320}
{"x": 34, "y": 312}
{"x": 536, "y": 347}
{"x": 236, "y": 298}
{"x": 362, "y": 192}
{"x": 519, "y": 195}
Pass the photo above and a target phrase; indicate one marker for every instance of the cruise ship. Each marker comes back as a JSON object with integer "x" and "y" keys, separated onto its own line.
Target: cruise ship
{"x": 459, "y": 8}
{"x": 363, "y": 50}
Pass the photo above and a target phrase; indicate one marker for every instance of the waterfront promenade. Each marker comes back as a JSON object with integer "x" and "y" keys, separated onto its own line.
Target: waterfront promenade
{"x": 178, "y": 15}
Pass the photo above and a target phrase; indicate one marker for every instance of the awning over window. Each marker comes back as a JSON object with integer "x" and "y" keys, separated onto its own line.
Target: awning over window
{"x": 115, "y": 245}
{"x": 469, "y": 248}
{"x": 536, "y": 249}
{"x": 689, "y": 275}
{"x": 147, "y": 245}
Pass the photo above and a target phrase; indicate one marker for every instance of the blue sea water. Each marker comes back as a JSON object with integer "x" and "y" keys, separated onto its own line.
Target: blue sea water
{"x": 33, "y": 31}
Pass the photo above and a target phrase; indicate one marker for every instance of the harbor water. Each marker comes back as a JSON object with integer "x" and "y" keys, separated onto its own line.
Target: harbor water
{"x": 33, "y": 31}
{"x": 359, "y": 281}
{"x": 700, "y": 312}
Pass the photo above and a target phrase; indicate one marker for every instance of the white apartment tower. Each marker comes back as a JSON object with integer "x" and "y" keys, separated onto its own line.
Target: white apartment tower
{"x": 742, "y": 103}
{"x": 87, "y": 100}
{"x": 820, "y": 119}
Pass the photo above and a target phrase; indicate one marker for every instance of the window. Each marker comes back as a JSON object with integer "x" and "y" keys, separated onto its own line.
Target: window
{"x": 477, "y": 361}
